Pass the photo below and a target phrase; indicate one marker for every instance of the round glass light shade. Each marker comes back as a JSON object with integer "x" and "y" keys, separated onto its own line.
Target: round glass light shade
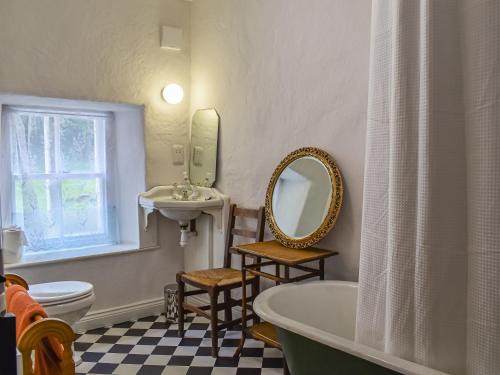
{"x": 173, "y": 93}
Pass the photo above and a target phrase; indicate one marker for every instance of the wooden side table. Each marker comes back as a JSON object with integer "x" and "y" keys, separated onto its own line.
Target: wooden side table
{"x": 272, "y": 253}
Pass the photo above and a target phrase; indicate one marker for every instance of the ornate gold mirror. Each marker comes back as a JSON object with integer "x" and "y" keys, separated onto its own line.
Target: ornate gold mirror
{"x": 304, "y": 197}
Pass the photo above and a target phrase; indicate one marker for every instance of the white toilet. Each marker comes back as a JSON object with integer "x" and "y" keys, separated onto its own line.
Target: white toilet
{"x": 66, "y": 300}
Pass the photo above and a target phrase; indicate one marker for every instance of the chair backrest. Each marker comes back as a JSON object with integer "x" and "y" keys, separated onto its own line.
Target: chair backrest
{"x": 257, "y": 235}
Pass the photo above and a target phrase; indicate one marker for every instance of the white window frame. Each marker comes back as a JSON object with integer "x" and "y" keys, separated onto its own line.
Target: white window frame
{"x": 102, "y": 128}
{"x": 128, "y": 156}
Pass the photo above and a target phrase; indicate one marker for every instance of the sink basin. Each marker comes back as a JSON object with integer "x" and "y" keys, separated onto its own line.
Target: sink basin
{"x": 162, "y": 198}
{"x": 169, "y": 204}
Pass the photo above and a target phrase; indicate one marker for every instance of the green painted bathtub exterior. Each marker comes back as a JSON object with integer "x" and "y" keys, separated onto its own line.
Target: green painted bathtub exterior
{"x": 307, "y": 357}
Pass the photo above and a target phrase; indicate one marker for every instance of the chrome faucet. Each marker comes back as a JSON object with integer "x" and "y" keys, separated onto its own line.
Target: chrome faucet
{"x": 187, "y": 188}
{"x": 185, "y": 191}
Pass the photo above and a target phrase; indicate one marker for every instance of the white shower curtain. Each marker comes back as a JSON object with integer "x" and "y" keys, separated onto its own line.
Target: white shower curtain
{"x": 430, "y": 248}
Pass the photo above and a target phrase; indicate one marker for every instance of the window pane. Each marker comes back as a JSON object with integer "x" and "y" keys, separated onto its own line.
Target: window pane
{"x": 58, "y": 162}
{"x": 82, "y": 213}
{"x": 35, "y": 212}
{"x": 32, "y": 194}
{"x": 28, "y": 146}
{"x": 77, "y": 144}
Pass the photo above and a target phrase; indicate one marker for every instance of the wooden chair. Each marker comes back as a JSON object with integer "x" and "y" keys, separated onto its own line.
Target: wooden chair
{"x": 38, "y": 331}
{"x": 217, "y": 280}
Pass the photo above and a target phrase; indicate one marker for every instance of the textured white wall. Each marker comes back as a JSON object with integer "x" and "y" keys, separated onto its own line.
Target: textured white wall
{"x": 101, "y": 50}
{"x": 285, "y": 74}
{"x": 106, "y": 50}
{"x": 282, "y": 74}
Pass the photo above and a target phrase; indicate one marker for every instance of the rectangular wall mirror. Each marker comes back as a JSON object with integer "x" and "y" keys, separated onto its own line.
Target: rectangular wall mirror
{"x": 203, "y": 151}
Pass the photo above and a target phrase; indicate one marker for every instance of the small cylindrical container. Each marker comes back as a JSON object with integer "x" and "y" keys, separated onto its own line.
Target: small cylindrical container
{"x": 171, "y": 303}
{"x": 13, "y": 241}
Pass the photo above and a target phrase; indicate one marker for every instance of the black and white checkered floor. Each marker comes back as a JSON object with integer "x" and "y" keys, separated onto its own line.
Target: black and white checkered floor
{"x": 151, "y": 346}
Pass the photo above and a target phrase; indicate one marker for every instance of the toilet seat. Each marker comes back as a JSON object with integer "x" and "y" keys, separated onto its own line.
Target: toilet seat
{"x": 70, "y": 311}
{"x": 60, "y": 292}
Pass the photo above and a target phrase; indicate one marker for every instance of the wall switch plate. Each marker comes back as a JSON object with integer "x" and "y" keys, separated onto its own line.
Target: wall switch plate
{"x": 198, "y": 156}
{"x": 178, "y": 152}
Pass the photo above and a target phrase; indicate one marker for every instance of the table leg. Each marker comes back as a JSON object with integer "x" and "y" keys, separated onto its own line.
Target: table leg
{"x": 243, "y": 307}
{"x": 255, "y": 292}
{"x": 258, "y": 260}
{"x": 321, "y": 269}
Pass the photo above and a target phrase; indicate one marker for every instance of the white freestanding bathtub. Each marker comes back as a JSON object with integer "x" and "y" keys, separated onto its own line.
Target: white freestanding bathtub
{"x": 316, "y": 325}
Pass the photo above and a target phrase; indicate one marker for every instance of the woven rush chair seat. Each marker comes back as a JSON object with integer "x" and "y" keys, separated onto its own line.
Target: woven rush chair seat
{"x": 216, "y": 277}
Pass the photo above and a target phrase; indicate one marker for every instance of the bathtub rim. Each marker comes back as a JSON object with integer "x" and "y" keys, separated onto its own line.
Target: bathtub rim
{"x": 262, "y": 309}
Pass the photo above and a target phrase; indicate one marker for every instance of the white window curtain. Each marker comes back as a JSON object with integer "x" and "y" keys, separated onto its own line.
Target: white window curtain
{"x": 430, "y": 249}
{"x": 57, "y": 177}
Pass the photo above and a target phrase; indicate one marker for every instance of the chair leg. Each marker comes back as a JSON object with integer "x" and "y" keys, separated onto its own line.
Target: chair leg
{"x": 255, "y": 292}
{"x": 228, "y": 312}
{"x": 214, "y": 294}
{"x": 239, "y": 349}
{"x": 180, "y": 303}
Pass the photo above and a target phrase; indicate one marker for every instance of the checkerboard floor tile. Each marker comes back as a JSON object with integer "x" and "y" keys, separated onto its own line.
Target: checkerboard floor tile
{"x": 151, "y": 346}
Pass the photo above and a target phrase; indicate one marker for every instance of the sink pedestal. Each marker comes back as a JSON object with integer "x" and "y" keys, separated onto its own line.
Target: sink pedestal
{"x": 184, "y": 234}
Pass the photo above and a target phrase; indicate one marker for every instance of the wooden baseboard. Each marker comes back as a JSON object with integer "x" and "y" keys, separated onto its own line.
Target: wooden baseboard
{"x": 132, "y": 312}
{"x": 119, "y": 314}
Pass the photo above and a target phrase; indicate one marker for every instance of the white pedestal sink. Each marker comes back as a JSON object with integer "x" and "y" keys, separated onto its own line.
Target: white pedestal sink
{"x": 165, "y": 200}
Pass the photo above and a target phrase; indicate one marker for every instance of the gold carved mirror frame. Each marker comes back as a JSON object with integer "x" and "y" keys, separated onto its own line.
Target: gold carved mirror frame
{"x": 335, "y": 202}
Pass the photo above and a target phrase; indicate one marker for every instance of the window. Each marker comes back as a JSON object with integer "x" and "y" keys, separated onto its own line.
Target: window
{"x": 60, "y": 177}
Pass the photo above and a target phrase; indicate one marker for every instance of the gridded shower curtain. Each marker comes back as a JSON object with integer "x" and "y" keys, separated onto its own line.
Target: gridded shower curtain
{"x": 430, "y": 248}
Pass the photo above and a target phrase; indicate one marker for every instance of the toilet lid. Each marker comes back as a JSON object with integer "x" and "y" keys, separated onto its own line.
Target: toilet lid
{"x": 60, "y": 291}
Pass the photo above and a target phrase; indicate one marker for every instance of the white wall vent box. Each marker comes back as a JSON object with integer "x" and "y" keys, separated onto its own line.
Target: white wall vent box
{"x": 171, "y": 38}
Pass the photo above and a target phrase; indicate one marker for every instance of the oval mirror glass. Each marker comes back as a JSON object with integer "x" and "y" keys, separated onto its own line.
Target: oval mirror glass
{"x": 304, "y": 197}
